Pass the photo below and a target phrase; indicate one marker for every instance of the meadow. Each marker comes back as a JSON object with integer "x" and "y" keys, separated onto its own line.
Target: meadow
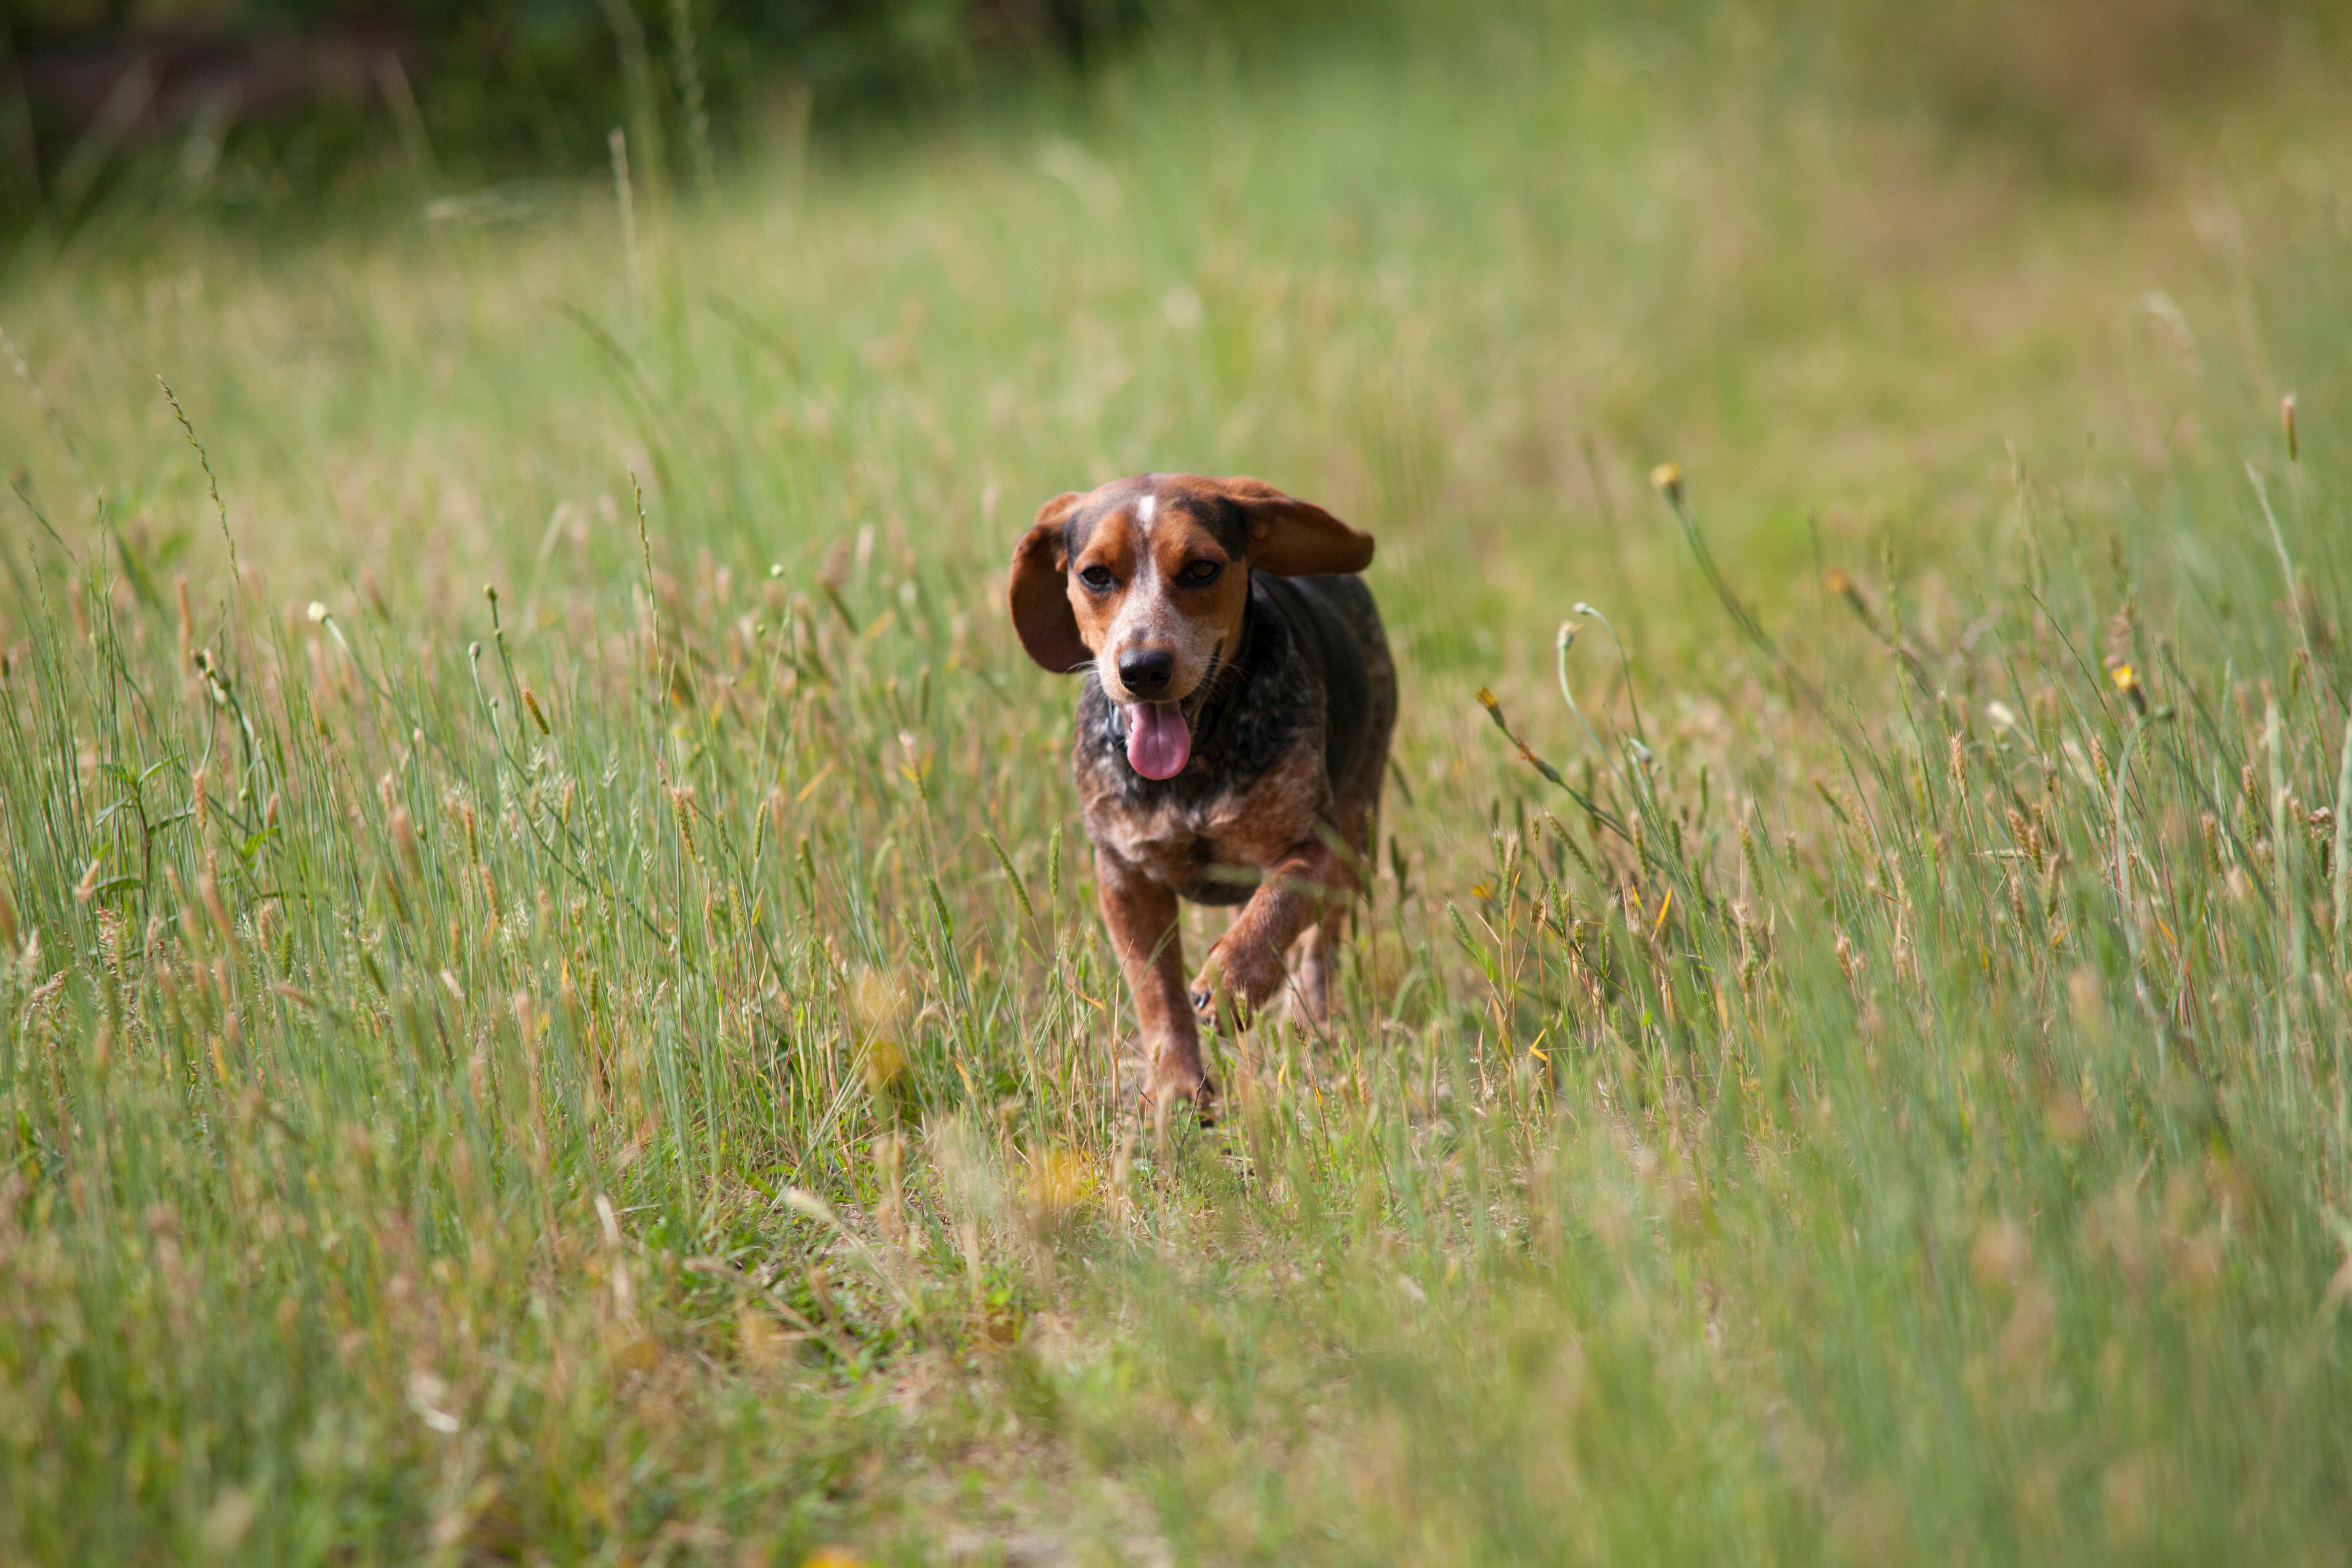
{"x": 551, "y": 1008}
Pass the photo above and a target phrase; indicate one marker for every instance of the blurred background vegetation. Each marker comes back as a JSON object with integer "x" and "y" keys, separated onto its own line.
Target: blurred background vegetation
{"x": 272, "y": 108}
{"x": 260, "y": 105}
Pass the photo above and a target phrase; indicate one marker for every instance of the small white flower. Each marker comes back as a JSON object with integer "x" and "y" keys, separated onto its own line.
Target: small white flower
{"x": 316, "y": 612}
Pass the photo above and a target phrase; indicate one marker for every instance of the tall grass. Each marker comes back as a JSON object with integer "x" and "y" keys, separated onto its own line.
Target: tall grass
{"x": 621, "y": 1064}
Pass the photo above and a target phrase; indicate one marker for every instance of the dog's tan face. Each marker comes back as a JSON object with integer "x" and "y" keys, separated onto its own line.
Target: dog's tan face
{"x": 1147, "y": 580}
{"x": 1158, "y": 595}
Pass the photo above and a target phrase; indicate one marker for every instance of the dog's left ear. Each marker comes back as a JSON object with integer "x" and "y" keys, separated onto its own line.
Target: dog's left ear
{"x": 1294, "y": 538}
{"x": 1040, "y": 594}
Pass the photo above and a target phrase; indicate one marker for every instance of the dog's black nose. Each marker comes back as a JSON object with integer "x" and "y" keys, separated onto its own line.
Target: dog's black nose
{"x": 1146, "y": 672}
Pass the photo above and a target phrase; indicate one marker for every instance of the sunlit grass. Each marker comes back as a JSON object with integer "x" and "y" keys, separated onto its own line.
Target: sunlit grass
{"x": 623, "y": 1065}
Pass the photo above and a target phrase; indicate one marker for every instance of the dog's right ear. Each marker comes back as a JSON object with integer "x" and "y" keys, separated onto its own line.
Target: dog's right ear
{"x": 1040, "y": 594}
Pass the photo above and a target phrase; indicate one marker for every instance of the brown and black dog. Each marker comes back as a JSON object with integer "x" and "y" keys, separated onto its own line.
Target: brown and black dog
{"x": 1231, "y": 738}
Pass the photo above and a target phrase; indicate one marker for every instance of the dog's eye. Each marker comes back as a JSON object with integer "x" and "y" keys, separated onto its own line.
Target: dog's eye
{"x": 1096, "y": 577}
{"x": 1201, "y": 573}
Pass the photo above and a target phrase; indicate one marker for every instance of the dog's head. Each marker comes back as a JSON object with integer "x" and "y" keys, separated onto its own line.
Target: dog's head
{"x": 1146, "y": 580}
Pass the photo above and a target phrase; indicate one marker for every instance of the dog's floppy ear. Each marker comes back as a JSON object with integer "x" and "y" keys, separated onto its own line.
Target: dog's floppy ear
{"x": 1293, "y": 538}
{"x": 1040, "y": 594}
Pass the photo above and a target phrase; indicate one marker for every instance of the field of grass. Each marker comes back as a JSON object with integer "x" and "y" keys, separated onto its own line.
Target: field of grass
{"x": 549, "y": 1004}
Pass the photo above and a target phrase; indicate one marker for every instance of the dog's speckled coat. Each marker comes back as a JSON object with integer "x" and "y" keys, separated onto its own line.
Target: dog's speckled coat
{"x": 1291, "y": 703}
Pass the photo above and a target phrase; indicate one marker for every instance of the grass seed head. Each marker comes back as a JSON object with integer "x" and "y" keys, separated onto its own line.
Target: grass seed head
{"x": 884, "y": 1064}
{"x": 208, "y": 890}
{"x": 229, "y": 1522}
{"x": 2066, "y": 1119}
{"x": 757, "y": 1339}
{"x": 1840, "y": 582}
{"x": 1059, "y": 1183}
{"x": 2087, "y": 997}
{"x": 876, "y": 1004}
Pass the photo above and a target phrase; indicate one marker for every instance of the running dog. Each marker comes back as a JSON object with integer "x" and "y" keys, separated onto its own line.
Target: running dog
{"x": 1231, "y": 735}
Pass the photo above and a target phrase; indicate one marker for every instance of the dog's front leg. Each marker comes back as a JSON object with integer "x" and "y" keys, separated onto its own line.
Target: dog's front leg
{"x": 1142, "y": 916}
{"x": 1247, "y": 961}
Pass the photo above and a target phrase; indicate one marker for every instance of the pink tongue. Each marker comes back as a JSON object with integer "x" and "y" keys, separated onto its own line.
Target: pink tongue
{"x": 1158, "y": 743}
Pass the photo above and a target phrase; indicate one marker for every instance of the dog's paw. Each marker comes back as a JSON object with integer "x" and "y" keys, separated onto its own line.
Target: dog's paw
{"x": 1217, "y": 1008}
{"x": 1241, "y": 977}
{"x": 1204, "y": 991}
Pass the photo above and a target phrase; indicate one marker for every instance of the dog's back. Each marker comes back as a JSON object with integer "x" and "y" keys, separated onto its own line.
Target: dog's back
{"x": 1337, "y": 629}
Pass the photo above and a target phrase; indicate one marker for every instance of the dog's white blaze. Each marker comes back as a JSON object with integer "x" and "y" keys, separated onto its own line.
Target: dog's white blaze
{"x": 1143, "y": 615}
{"x": 1148, "y": 617}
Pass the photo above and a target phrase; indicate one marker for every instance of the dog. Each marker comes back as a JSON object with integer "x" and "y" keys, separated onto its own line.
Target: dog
{"x": 1231, "y": 740}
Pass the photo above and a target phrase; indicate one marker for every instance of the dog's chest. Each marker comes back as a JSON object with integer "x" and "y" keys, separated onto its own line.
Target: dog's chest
{"x": 1193, "y": 848}
{"x": 1211, "y": 846}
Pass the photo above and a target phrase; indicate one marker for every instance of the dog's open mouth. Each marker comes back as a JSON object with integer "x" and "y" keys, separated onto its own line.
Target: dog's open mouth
{"x": 1159, "y": 741}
